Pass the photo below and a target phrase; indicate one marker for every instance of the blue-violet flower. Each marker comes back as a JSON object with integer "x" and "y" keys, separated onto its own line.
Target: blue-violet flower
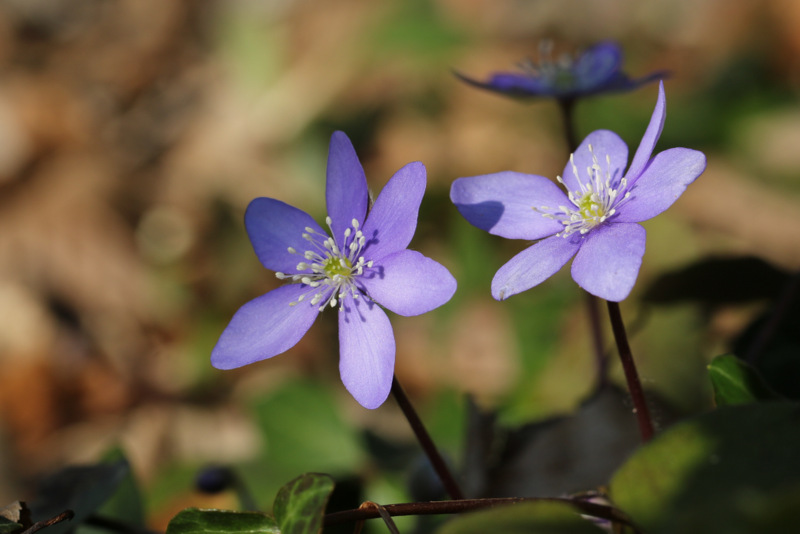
{"x": 596, "y": 70}
{"x": 360, "y": 262}
{"x": 596, "y": 220}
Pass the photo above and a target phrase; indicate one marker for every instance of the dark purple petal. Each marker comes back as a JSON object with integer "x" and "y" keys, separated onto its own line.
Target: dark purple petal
{"x": 502, "y": 203}
{"x": 609, "y": 259}
{"x": 366, "y": 351}
{"x": 604, "y": 143}
{"x": 597, "y": 65}
{"x": 264, "y": 327}
{"x": 662, "y": 182}
{"x": 651, "y": 135}
{"x": 409, "y": 283}
{"x": 393, "y": 218}
{"x": 512, "y": 84}
{"x": 346, "y": 191}
{"x": 273, "y": 227}
{"x": 533, "y": 266}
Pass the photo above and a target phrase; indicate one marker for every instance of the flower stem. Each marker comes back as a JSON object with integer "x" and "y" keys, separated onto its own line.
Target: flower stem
{"x": 567, "y": 107}
{"x": 426, "y": 442}
{"x": 631, "y": 376}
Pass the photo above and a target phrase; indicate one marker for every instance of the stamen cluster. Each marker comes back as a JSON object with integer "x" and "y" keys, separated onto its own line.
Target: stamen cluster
{"x": 595, "y": 202}
{"x": 330, "y": 271}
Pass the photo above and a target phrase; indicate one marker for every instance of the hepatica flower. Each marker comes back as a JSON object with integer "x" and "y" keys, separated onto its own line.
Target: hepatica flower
{"x": 596, "y": 221}
{"x": 358, "y": 262}
{"x": 596, "y": 70}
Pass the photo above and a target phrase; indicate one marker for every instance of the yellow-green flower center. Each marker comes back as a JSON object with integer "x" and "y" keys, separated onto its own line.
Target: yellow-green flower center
{"x": 597, "y": 199}
{"x": 334, "y": 266}
{"x": 330, "y": 271}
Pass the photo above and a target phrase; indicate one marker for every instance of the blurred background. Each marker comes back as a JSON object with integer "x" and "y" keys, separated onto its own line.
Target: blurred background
{"x": 133, "y": 133}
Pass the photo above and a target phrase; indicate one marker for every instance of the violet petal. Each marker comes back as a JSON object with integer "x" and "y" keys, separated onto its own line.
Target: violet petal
{"x": 533, "y": 266}
{"x": 346, "y": 193}
{"x": 393, "y": 218}
{"x": 608, "y": 261}
{"x": 366, "y": 351}
{"x": 604, "y": 143}
{"x": 264, "y": 327}
{"x": 502, "y": 203}
{"x": 662, "y": 182}
{"x": 650, "y": 138}
{"x": 273, "y": 227}
{"x": 408, "y": 283}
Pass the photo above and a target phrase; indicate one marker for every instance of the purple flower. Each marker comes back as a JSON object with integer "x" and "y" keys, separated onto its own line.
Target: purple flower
{"x": 361, "y": 261}
{"x": 597, "y": 70}
{"x": 596, "y": 221}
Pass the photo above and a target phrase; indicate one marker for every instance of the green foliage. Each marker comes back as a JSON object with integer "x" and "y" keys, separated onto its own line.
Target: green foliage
{"x": 300, "y": 505}
{"x": 734, "y": 470}
{"x": 125, "y": 504}
{"x": 196, "y": 521}
{"x": 305, "y": 431}
{"x": 82, "y": 489}
{"x": 736, "y": 382}
{"x": 7, "y": 526}
{"x": 524, "y": 518}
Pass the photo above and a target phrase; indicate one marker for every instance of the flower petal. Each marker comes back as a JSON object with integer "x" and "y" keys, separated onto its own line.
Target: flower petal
{"x": 533, "y": 266}
{"x": 597, "y": 65}
{"x": 604, "y": 143}
{"x": 366, "y": 351}
{"x": 346, "y": 193}
{"x": 392, "y": 220}
{"x": 609, "y": 259}
{"x": 264, "y": 327}
{"x": 502, "y": 203}
{"x": 409, "y": 283}
{"x": 662, "y": 182}
{"x": 650, "y": 138}
{"x": 273, "y": 227}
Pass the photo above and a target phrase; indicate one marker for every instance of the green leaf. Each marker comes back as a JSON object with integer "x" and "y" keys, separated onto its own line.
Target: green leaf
{"x": 736, "y": 382}
{"x": 734, "y": 470}
{"x": 124, "y": 505}
{"x": 300, "y": 505}
{"x": 197, "y": 521}
{"x": 523, "y": 518}
{"x": 7, "y": 526}
{"x": 82, "y": 489}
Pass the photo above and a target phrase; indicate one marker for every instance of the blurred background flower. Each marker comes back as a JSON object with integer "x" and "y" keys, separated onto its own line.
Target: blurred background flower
{"x": 133, "y": 134}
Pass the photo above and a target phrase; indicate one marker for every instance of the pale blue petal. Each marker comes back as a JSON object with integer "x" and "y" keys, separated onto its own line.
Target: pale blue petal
{"x": 609, "y": 259}
{"x": 393, "y": 218}
{"x": 662, "y": 182}
{"x": 366, "y": 351}
{"x": 651, "y": 135}
{"x": 264, "y": 327}
{"x": 503, "y": 203}
{"x": 273, "y": 227}
{"x": 603, "y": 143}
{"x": 346, "y": 191}
{"x": 409, "y": 283}
{"x": 533, "y": 266}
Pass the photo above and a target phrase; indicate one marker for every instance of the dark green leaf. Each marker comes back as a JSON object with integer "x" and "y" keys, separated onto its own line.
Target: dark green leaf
{"x": 196, "y": 521}
{"x": 300, "y": 505}
{"x": 82, "y": 489}
{"x": 125, "y": 505}
{"x": 725, "y": 471}
{"x": 524, "y": 518}
{"x": 7, "y": 526}
{"x": 735, "y": 382}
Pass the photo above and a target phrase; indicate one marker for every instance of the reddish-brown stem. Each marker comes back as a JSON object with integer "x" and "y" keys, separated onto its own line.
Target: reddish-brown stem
{"x": 437, "y": 462}
{"x": 469, "y": 505}
{"x": 631, "y": 375}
